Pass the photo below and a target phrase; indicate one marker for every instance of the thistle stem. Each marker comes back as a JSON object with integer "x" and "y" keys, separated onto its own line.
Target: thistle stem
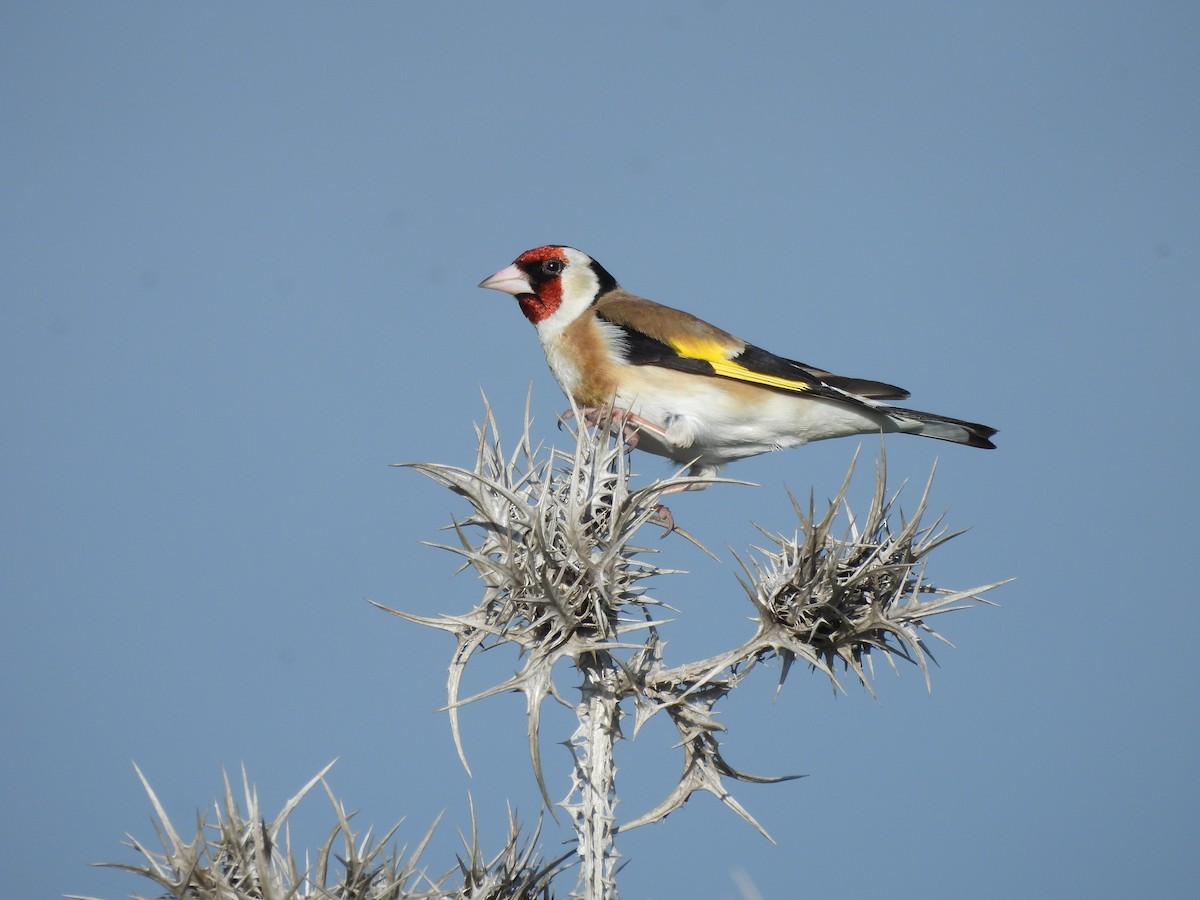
{"x": 593, "y": 814}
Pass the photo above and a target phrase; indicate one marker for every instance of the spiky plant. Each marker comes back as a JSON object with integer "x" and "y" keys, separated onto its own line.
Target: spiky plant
{"x": 554, "y": 538}
{"x": 239, "y": 855}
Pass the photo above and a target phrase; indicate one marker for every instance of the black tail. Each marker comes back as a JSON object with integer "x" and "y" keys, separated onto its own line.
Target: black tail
{"x": 942, "y": 427}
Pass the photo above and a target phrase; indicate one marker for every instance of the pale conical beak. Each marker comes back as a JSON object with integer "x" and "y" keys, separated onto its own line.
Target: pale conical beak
{"x": 510, "y": 280}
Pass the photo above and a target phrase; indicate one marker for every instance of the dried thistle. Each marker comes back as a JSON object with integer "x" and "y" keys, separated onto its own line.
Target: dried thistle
{"x": 552, "y": 535}
{"x": 554, "y": 544}
{"x": 824, "y": 597}
{"x": 238, "y": 855}
{"x": 562, "y": 577}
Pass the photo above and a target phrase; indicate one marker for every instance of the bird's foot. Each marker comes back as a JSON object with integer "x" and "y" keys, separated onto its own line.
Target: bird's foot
{"x": 662, "y": 516}
{"x": 629, "y": 423}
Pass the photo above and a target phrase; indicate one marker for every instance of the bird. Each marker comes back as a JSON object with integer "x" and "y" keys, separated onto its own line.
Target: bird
{"x": 687, "y": 390}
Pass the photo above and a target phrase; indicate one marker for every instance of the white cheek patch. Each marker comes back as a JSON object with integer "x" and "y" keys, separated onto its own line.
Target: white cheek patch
{"x": 580, "y": 286}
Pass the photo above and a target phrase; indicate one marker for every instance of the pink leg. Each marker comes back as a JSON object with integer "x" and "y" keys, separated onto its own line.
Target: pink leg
{"x": 629, "y": 423}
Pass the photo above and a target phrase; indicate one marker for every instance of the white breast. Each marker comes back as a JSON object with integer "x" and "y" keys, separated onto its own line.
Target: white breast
{"x": 703, "y": 421}
{"x": 566, "y": 373}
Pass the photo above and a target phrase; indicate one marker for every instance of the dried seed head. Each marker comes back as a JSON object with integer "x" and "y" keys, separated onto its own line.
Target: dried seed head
{"x": 824, "y": 597}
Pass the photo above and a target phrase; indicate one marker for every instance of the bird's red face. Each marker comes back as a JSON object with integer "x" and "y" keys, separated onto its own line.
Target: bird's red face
{"x": 548, "y": 279}
{"x": 535, "y": 279}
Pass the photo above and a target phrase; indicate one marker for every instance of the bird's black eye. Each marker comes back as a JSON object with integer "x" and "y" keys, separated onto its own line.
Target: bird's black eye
{"x": 552, "y": 266}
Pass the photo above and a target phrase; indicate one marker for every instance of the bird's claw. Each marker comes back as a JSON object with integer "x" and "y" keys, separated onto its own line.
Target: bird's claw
{"x": 629, "y": 423}
{"x": 662, "y": 516}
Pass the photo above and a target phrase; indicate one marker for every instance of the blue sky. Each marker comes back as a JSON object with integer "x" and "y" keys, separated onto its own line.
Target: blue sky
{"x": 239, "y": 257}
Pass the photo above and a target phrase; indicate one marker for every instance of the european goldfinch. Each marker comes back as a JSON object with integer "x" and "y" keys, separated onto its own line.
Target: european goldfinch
{"x": 685, "y": 389}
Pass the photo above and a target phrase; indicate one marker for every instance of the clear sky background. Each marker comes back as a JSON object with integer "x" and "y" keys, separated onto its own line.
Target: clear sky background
{"x": 237, "y": 280}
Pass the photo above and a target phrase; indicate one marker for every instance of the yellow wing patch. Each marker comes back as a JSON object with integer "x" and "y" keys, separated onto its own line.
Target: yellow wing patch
{"x": 716, "y": 355}
{"x": 741, "y": 373}
{"x": 706, "y": 349}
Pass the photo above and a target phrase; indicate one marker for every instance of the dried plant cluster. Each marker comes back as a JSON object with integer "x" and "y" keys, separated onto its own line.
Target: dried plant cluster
{"x": 238, "y": 855}
{"x": 554, "y": 538}
{"x": 826, "y": 598}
